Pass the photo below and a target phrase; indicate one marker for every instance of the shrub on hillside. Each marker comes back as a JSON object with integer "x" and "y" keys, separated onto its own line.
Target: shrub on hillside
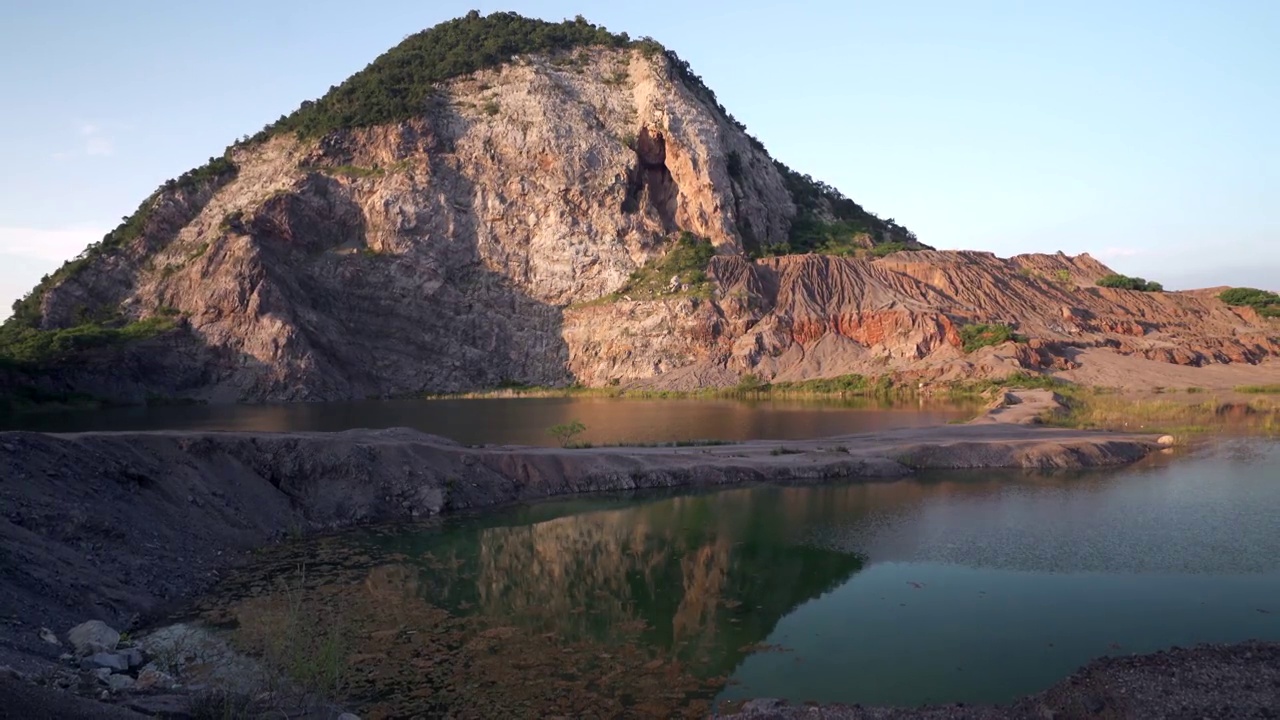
{"x": 1124, "y": 282}
{"x": 21, "y": 345}
{"x": 396, "y": 85}
{"x": 685, "y": 263}
{"x": 1265, "y": 302}
{"x": 980, "y": 335}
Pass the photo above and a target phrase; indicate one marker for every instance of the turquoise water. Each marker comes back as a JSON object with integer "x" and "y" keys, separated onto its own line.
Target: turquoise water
{"x": 951, "y": 587}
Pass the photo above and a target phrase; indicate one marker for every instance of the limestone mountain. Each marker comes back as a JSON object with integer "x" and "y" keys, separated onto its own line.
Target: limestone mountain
{"x": 500, "y": 199}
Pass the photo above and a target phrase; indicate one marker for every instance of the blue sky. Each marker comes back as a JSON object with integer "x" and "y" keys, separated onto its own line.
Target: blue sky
{"x": 1144, "y": 132}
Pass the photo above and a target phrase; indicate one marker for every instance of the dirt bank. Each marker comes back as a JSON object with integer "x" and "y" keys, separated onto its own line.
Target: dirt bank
{"x": 120, "y": 526}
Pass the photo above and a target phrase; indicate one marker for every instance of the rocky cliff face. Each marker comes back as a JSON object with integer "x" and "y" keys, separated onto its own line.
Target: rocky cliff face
{"x": 481, "y": 241}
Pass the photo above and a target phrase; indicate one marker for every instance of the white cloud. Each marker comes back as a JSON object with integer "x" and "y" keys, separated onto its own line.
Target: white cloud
{"x": 47, "y": 245}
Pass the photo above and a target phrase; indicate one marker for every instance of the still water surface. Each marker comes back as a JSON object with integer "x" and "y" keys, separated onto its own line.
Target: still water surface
{"x": 522, "y": 420}
{"x": 951, "y": 587}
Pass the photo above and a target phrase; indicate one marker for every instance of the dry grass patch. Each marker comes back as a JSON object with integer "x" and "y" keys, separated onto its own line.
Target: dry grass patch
{"x": 1093, "y": 410}
{"x": 1259, "y": 389}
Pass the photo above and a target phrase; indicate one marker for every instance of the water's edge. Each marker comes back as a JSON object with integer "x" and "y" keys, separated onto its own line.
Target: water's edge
{"x": 116, "y": 525}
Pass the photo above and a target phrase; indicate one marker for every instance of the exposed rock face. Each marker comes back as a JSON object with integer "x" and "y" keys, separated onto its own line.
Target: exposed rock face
{"x": 438, "y": 254}
{"x": 465, "y": 247}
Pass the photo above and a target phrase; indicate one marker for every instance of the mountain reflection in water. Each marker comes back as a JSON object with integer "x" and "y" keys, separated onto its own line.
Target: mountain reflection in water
{"x": 973, "y": 587}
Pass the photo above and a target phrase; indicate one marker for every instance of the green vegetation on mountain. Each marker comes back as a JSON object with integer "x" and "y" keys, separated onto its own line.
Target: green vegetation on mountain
{"x": 1124, "y": 282}
{"x": 980, "y": 335}
{"x": 396, "y": 85}
{"x": 24, "y": 346}
{"x": 829, "y": 223}
{"x": 1265, "y": 302}
{"x": 683, "y": 269}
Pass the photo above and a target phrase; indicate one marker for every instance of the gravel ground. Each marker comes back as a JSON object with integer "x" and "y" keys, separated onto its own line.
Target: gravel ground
{"x": 1211, "y": 682}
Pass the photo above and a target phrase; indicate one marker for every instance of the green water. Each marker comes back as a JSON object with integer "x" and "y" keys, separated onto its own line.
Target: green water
{"x": 973, "y": 587}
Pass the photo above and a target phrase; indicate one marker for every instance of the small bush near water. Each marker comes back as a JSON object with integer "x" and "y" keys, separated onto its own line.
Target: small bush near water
{"x": 566, "y": 432}
{"x": 301, "y": 636}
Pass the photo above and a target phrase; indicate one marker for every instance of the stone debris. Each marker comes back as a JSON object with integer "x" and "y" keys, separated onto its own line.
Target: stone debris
{"x": 92, "y": 637}
{"x": 119, "y": 683}
{"x": 112, "y": 661}
{"x": 203, "y": 657}
{"x": 48, "y": 636}
{"x": 152, "y": 679}
{"x": 178, "y": 706}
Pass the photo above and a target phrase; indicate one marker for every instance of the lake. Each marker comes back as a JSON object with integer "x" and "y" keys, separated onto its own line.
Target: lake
{"x": 524, "y": 421}
{"x": 972, "y": 587}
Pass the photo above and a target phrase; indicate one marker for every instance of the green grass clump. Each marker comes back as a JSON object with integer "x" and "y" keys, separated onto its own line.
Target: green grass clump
{"x": 687, "y": 261}
{"x": 24, "y": 346}
{"x": 1124, "y": 282}
{"x": 355, "y": 171}
{"x": 852, "y": 384}
{"x": 1259, "y": 389}
{"x": 980, "y": 335}
{"x": 1265, "y": 302}
{"x": 1014, "y": 381}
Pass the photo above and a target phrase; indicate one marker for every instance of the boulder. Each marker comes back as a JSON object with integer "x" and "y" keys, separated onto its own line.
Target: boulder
{"x": 114, "y": 661}
{"x": 92, "y": 637}
{"x": 134, "y": 657}
{"x": 152, "y": 679}
{"x": 118, "y": 683}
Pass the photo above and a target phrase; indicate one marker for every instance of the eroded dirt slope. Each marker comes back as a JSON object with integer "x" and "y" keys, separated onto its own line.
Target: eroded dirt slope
{"x": 800, "y": 317}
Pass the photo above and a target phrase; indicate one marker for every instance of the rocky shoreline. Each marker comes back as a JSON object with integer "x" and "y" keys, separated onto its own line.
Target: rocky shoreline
{"x": 121, "y": 527}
